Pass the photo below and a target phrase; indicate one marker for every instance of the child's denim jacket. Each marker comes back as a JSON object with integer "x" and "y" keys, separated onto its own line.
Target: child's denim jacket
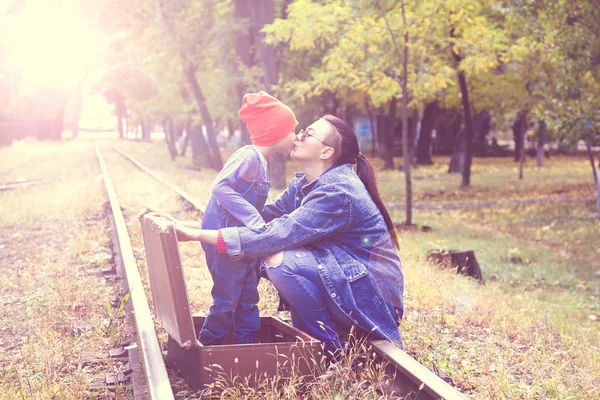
{"x": 335, "y": 217}
{"x": 238, "y": 193}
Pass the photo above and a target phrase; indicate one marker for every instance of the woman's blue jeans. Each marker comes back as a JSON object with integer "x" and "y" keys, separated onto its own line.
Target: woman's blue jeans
{"x": 313, "y": 311}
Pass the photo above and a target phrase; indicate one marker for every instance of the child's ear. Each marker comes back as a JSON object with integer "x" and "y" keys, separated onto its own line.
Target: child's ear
{"x": 327, "y": 153}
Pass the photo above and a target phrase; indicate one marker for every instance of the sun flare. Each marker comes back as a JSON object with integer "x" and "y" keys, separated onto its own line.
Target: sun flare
{"x": 49, "y": 45}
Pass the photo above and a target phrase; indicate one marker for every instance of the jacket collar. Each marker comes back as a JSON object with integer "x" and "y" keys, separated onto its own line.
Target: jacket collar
{"x": 306, "y": 187}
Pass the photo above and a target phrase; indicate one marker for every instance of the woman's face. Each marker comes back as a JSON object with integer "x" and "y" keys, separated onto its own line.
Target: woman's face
{"x": 314, "y": 143}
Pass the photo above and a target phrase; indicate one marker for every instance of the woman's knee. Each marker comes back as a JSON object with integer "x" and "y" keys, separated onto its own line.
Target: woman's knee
{"x": 280, "y": 269}
{"x": 274, "y": 260}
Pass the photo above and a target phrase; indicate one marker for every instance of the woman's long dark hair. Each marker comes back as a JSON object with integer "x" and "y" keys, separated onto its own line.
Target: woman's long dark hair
{"x": 346, "y": 148}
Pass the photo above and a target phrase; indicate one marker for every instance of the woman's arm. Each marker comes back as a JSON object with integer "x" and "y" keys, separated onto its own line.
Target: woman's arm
{"x": 325, "y": 211}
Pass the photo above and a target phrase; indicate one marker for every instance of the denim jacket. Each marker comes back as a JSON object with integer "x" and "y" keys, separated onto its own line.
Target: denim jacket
{"x": 335, "y": 217}
{"x": 238, "y": 192}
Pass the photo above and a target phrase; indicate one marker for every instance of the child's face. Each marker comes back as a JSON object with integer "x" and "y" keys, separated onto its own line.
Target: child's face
{"x": 286, "y": 144}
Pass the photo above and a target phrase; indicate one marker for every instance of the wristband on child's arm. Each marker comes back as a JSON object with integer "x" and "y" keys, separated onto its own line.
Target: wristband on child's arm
{"x": 221, "y": 246}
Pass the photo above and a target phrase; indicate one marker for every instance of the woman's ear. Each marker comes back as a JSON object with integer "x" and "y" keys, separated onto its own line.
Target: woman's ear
{"x": 327, "y": 153}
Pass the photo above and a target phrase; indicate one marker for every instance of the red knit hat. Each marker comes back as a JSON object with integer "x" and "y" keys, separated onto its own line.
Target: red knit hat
{"x": 268, "y": 120}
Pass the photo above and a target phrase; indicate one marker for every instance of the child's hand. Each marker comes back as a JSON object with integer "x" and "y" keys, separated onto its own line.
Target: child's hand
{"x": 155, "y": 212}
{"x": 143, "y": 212}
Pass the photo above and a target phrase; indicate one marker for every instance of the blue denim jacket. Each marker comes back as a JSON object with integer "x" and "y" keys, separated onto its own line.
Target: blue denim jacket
{"x": 238, "y": 192}
{"x": 335, "y": 217}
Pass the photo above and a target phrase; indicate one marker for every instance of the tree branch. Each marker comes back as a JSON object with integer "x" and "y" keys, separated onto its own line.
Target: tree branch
{"x": 387, "y": 23}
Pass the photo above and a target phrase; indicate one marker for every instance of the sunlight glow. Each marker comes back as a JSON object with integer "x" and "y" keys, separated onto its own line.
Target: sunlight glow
{"x": 49, "y": 44}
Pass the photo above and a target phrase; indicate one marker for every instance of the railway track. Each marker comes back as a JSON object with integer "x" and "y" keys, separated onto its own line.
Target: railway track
{"x": 154, "y": 369}
{"x": 410, "y": 377}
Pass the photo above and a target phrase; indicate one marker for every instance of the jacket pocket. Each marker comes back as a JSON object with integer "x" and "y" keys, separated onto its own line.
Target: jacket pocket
{"x": 354, "y": 270}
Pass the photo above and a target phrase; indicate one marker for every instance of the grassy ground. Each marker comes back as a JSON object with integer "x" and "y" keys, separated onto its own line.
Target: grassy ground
{"x": 53, "y": 299}
{"x": 530, "y": 332}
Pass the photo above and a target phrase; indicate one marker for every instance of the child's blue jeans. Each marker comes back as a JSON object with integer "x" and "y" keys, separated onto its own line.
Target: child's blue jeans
{"x": 235, "y": 298}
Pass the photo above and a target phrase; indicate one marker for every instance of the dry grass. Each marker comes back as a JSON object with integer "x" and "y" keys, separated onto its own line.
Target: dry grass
{"x": 529, "y": 333}
{"x": 52, "y": 298}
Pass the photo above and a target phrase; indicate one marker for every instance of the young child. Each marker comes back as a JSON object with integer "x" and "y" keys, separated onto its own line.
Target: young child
{"x": 238, "y": 195}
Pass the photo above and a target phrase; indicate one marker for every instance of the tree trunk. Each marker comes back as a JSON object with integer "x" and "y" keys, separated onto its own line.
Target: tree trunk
{"x": 179, "y": 127}
{"x": 413, "y": 127}
{"x": 170, "y": 137}
{"x": 541, "y": 141}
{"x": 186, "y": 140}
{"x": 387, "y": 133}
{"x": 481, "y": 127}
{"x": 215, "y": 156}
{"x": 230, "y": 129}
{"x": 408, "y": 151}
{"x": 200, "y": 153}
{"x": 427, "y": 125}
{"x": 372, "y": 125}
{"x": 350, "y": 115}
{"x": 263, "y": 13}
{"x": 457, "y": 162}
{"x": 596, "y": 178}
{"x": 406, "y": 148}
{"x": 519, "y": 128}
{"x": 147, "y": 129}
{"x": 331, "y": 104}
{"x": 185, "y": 143}
{"x": 120, "y": 112}
{"x": 448, "y": 128}
{"x": 127, "y": 127}
{"x": 243, "y": 46}
{"x": 468, "y": 133}
{"x": 455, "y": 130}
{"x": 277, "y": 170}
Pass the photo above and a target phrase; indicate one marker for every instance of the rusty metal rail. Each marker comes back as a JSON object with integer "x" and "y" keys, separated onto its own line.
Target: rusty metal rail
{"x": 156, "y": 377}
{"x": 186, "y": 196}
{"x": 412, "y": 379}
{"x": 408, "y": 372}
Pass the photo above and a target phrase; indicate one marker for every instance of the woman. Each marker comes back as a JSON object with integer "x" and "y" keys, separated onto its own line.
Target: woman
{"x": 329, "y": 242}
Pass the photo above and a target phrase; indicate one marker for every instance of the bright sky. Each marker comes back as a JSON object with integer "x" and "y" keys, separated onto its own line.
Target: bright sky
{"x": 50, "y": 45}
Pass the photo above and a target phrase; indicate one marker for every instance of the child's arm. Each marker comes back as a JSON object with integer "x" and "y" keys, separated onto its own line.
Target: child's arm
{"x": 187, "y": 234}
{"x": 237, "y": 167}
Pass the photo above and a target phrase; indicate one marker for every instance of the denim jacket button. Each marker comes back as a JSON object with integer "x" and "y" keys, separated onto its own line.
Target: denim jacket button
{"x": 320, "y": 266}
{"x": 333, "y": 295}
